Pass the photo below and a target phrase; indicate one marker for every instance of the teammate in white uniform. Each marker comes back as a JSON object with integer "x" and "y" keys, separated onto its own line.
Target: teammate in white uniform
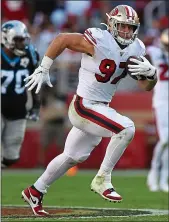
{"x": 158, "y": 175}
{"x": 102, "y": 67}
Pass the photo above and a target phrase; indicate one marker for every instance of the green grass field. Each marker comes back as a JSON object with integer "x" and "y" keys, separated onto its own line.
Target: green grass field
{"x": 74, "y": 193}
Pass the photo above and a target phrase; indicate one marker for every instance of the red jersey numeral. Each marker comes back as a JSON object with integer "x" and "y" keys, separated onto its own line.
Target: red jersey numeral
{"x": 108, "y": 68}
{"x": 164, "y": 69}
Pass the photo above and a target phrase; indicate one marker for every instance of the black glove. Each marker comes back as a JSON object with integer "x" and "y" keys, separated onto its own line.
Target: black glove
{"x": 33, "y": 114}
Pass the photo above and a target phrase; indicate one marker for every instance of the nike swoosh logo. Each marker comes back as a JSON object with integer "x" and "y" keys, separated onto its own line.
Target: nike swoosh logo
{"x": 33, "y": 199}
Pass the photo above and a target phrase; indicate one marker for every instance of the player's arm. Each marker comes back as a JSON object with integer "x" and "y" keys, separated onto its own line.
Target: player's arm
{"x": 147, "y": 85}
{"x": 73, "y": 41}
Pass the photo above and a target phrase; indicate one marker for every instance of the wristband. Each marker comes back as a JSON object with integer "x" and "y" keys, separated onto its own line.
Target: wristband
{"x": 46, "y": 62}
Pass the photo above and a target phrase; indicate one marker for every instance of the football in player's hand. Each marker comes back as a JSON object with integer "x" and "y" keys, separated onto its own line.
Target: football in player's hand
{"x": 128, "y": 62}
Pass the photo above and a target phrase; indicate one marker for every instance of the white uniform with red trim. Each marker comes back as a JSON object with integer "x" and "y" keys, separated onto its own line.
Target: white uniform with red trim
{"x": 98, "y": 79}
{"x": 100, "y": 75}
{"x": 160, "y": 61}
{"x": 160, "y": 93}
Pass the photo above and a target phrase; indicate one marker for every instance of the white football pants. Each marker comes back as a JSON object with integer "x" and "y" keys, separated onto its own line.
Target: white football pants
{"x": 160, "y": 153}
{"x": 91, "y": 121}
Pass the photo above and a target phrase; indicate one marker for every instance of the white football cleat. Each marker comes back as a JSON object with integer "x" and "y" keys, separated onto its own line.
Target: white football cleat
{"x": 164, "y": 187}
{"x": 104, "y": 189}
{"x": 152, "y": 181}
{"x": 153, "y": 187}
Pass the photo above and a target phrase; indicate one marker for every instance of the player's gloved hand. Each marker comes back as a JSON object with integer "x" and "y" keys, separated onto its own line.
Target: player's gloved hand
{"x": 33, "y": 114}
{"x": 142, "y": 68}
{"x": 40, "y": 75}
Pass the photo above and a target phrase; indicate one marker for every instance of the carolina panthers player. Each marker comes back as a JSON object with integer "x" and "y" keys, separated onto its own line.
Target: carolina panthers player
{"x": 104, "y": 56}
{"x": 18, "y": 60}
{"x": 158, "y": 175}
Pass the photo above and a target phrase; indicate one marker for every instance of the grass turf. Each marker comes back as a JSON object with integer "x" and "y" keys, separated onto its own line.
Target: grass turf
{"x": 75, "y": 191}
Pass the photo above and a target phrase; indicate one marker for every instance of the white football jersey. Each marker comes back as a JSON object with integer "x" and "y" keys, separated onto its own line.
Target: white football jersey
{"x": 161, "y": 61}
{"x": 100, "y": 75}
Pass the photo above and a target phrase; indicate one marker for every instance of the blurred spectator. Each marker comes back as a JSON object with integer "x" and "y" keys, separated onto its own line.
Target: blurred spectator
{"x": 71, "y": 25}
{"x": 45, "y": 6}
{"x": 15, "y": 10}
{"x": 58, "y": 18}
{"x": 77, "y": 8}
{"x": 152, "y": 35}
{"x": 46, "y": 35}
{"x": 164, "y": 23}
{"x": 68, "y": 64}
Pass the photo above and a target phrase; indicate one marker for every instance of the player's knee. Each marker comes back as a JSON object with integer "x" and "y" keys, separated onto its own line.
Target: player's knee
{"x": 76, "y": 158}
{"x": 128, "y": 132}
{"x": 82, "y": 158}
{"x": 8, "y": 162}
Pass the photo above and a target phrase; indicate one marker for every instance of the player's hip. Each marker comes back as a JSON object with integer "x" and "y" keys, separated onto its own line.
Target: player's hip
{"x": 93, "y": 115}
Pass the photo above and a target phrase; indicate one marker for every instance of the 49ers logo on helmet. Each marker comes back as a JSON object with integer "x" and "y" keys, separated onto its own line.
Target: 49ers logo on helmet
{"x": 114, "y": 12}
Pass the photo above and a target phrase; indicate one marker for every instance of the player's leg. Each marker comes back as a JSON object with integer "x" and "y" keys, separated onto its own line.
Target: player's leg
{"x": 116, "y": 147}
{"x": 78, "y": 147}
{"x": 163, "y": 183}
{"x": 13, "y": 135}
{"x": 159, "y": 159}
{"x": 2, "y": 130}
{"x": 153, "y": 175}
{"x": 99, "y": 119}
{"x": 163, "y": 126}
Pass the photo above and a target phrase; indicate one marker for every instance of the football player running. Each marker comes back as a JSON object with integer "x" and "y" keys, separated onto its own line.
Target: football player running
{"x": 104, "y": 54}
{"x": 158, "y": 174}
{"x": 18, "y": 60}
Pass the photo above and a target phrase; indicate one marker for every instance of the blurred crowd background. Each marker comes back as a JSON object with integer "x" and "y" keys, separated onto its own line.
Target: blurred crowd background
{"x": 46, "y": 18}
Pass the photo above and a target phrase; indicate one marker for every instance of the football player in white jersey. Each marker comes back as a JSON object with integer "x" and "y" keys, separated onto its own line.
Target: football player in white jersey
{"x": 158, "y": 174}
{"x": 104, "y": 54}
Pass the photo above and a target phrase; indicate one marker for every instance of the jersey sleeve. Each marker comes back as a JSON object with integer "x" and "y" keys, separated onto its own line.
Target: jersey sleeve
{"x": 93, "y": 35}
